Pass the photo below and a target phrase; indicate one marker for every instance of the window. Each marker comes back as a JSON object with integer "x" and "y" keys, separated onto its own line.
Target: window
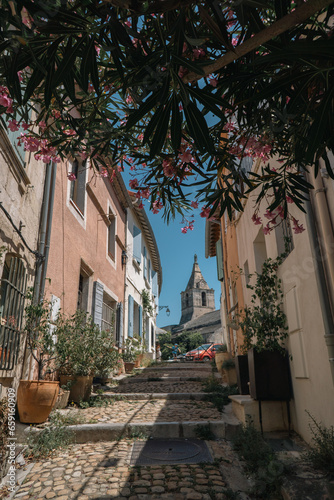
{"x": 137, "y": 244}
{"x": 187, "y": 300}
{"x": 219, "y": 259}
{"x": 78, "y": 186}
{"x": 112, "y": 235}
{"x": 108, "y": 315}
{"x": 260, "y": 251}
{"x": 83, "y": 290}
{"x": 12, "y": 295}
{"x": 203, "y": 299}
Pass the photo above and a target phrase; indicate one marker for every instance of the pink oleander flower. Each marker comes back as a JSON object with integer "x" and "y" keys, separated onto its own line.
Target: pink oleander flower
{"x": 6, "y": 101}
{"x": 297, "y": 228}
{"x": 140, "y": 137}
{"x": 141, "y": 206}
{"x": 213, "y": 80}
{"x": 98, "y": 49}
{"x": 205, "y": 212}
{"x": 71, "y": 176}
{"x": 269, "y": 215}
{"x": 194, "y": 204}
{"x": 156, "y": 206}
{"x": 267, "y": 229}
{"x": 129, "y": 100}
{"x": 168, "y": 168}
{"x": 133, "y": 183}
{"x": 256, "y": 219}
{"x": 146, "y": 193}
{"x": 185, "y": 157}
{"x": 197, "y": 53}
{"x": 42, "y": 125}
{"x": 229, "y": 127}
{"x": 56, "y": 113}
{"x": 104, "y": 172}
{"x": 191, "y": 227}
{"x": 184, "y": 230}
{"x": 30, "y": 143}
{"x": 182, "y": 71}
{"x": 25, "y": 125}
{"x": 289, "y": 200}
{"x": 13, "y": 125}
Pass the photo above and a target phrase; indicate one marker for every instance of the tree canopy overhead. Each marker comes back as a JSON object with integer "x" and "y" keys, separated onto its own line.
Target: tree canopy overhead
{"x": 180, "y": 92}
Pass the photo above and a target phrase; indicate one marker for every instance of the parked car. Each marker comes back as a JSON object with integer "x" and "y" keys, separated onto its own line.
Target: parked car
{"x": 204, "y": 352}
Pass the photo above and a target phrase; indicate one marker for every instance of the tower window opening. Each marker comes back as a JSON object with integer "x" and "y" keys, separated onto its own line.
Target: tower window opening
{"x": 203, "y": 299}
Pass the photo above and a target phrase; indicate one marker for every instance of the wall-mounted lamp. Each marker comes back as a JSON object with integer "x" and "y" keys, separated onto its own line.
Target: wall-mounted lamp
{"x": 124, "y": 257}
{"x": 165, "y": 307}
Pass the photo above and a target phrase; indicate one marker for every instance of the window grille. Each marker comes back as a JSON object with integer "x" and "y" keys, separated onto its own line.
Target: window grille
{"x": 12, "y": 296}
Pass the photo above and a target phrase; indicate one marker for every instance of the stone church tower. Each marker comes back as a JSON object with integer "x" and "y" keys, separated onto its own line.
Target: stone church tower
{"x": 198, "y": 298}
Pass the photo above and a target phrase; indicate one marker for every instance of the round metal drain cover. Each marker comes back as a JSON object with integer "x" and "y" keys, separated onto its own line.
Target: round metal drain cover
{"x": 171, "y": 450}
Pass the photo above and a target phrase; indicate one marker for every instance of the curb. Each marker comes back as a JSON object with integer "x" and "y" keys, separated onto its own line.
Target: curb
{"x": 112, "y": 432}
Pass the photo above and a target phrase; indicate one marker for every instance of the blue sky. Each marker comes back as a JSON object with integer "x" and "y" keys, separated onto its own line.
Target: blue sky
{"x": 177, "y": 257}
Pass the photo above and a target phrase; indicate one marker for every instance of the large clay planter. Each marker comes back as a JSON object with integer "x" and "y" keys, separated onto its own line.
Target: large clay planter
{"x": 230, "y": 376}
{"x": 35, "y": 400}
{"x": 269, "y": 375}
{"x": 138, "y": 360}
{"x": 81, "y": 388}
{"x": 128, "y": 366}
{"x": 220, "y": 358}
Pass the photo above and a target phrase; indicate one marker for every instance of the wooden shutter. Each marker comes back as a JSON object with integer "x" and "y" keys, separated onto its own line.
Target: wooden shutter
{"x": 220, "y": 261}
{"x": 119, "y": 324}
{"x": 137, "y": 244}
{"x": 140, "y": 321}
{"x": 130, "y": 316}
{"x": 97, "y": 303}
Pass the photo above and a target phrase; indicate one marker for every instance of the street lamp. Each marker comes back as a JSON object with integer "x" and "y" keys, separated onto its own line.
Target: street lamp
{"x": 165, "y": 307}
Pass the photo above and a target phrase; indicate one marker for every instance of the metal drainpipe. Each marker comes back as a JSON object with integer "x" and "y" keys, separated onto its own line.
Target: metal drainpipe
{"x": 41, "y": 246}
{"x": 49, "y": 227}
{"x": 322, "y": 285}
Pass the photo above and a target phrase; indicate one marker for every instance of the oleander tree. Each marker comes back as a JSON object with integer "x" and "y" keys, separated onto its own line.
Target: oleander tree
{"x": 178, "y": 92}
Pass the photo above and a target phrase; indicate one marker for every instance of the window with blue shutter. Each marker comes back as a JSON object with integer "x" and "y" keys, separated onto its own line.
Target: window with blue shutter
{"x": 97, "y": 303}
{"x": 130, "y": 316}
{"x": 145, "y": 263}
{"x": 154, "y": 283}
{"x": 149, "y": 271}
{"x": 219, "y": 259}
{"x": 137, "y": 244}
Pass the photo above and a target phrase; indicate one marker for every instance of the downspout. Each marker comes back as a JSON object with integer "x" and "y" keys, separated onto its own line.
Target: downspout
{"x": 41, "y": 246}
{"x": 323, "y": 259}
{"x": 49, "y": 227}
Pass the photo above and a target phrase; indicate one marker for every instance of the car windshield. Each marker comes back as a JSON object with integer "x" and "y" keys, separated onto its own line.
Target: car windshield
{"x": 203, "y": 347}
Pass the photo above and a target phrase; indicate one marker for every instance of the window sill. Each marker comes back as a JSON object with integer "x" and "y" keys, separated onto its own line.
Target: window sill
{"x": 136, "y": 264}
{"x": 76, "y": 208}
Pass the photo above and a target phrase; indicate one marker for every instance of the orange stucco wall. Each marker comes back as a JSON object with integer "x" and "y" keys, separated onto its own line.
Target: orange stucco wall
{"x": 75, "y": 238}
{"x": 232, "y": 275}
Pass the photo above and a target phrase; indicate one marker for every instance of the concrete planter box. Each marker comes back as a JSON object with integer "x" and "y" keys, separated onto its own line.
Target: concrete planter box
{"x": 220, "y": 358}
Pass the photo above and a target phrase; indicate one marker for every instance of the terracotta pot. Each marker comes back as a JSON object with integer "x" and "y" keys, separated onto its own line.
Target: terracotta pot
{"x": 128, "y": 366}
{"x": 35, "y": 400}
{"x": 138, "y": 360}
{"x": 81, "y": 388}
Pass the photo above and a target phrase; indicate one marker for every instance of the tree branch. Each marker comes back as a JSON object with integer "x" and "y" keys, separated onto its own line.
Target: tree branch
{"x": 296, "y": 17}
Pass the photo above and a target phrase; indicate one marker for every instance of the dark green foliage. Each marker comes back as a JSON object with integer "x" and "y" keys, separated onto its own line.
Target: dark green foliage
{"x": 219, "y": 394}
{"x": 203, "y": 431}
{"x": 261, "y": 462}
{"x": 186, "y": 342}
{"x": 54, "y": 437}
{"x": 321, "y": 453}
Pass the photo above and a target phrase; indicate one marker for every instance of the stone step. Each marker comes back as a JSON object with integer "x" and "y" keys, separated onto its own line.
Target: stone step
{"x": 159, "y": 379}
{"x": 194, "y": 396}
{"x": 84, "y": 433}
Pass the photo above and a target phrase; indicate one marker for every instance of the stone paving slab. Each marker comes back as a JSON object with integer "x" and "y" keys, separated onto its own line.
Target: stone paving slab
{"x": 102, "y": 471}
{"x": 153, "y": 410}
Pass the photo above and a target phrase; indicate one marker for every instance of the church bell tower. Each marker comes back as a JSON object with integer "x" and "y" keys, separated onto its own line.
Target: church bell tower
{"x": 198, "y": 298}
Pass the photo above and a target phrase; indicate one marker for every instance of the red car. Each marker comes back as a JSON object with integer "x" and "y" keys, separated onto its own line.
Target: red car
{"x": 204, "y": 352}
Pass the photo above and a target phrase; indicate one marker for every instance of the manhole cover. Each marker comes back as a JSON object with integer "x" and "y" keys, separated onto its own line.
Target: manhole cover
{"x": 170, "y": 451}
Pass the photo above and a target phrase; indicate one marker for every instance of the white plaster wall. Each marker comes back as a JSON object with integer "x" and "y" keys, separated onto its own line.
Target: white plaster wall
{"x": 135, "y": 281}
{"x": 310, "y": 368}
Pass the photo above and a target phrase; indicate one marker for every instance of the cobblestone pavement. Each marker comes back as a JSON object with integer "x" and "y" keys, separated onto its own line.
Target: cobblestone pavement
{"x": 147, "y": 411}
{"x": 157, "y": 387}
{"x": 102, "y": 471}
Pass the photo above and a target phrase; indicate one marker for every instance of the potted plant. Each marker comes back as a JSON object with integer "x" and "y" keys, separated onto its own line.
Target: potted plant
{"x": 229, "y": 373}
{"x": 221, "y": 356}
{"x": 265, "y": 329}
{"x": 83, "y": 352}
{"x": 141, "y": 349}
{"x": 130, "y": 353}
{"x": 36, "y": 398}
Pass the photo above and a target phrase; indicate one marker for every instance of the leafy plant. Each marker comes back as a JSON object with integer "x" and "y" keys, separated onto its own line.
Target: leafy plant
{"x": 222, "y": 348}
{"x": 264, "y": 323}
{"x": 321, "y": 453}
{"x": 260, "y": 460}
{"x": 203, "y": 431}
{"x": 40, "y": 337}
{"x": 228, "y": 364}
{"x": 83, "y": 349}
{"x": 218, "y": 393}
{"x": 52, "y": 438}
{"x": 132, "y": 348}
{"x": 147, "y": 304}
{"x": 71, "y": 418}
